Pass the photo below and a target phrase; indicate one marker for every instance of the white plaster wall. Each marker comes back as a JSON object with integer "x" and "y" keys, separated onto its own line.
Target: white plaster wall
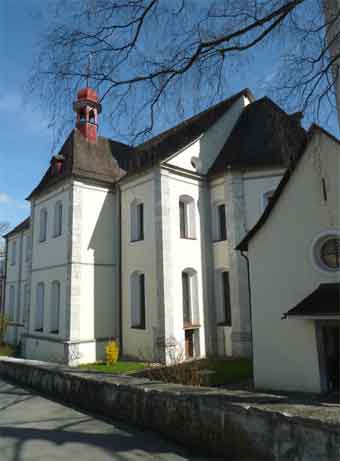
{"x": 256, "y": 184}
{"x": 181, "y": 254}
{"x": 93, "y": 276}
{"x": 140, "y": 256}
{"x": 209, "y": 145}
{"x": 283, "y": 272}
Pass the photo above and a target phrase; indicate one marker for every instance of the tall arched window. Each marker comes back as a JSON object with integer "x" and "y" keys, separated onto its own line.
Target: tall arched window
{"x": 43, "y": 225}
{"x": 137, "y": 220}
{"x": 138, "y": 304}
{"x": 58, "y": 219}
{"x": 39, "y": 309}
{"x": 187, "y": 217}
{"x": 190, "y": 297}
{"x": 55, "y": 307}
{"x": 11, "y": 303}
{"x": 223, "y": 298}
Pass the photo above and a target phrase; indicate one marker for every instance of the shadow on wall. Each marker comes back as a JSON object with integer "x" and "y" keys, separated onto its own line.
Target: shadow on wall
{"x": 103, "y": 244}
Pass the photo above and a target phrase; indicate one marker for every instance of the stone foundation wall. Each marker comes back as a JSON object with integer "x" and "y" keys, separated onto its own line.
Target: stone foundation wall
{"x": 223, "y": 423}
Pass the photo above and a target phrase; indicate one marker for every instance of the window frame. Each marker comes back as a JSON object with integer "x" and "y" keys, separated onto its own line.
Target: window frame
{"x": 55, "y": 307}
{"x": 39, "y": 309}
{"x": 136, "y": 221}
{"x": 187, "y": 217}
{"x": 190, "y": 298}
{"x": 138, "y": 301}
{"x": 43, "y": 217}
{"x": 58, "y": 219}
{"x": 224, "y": 311}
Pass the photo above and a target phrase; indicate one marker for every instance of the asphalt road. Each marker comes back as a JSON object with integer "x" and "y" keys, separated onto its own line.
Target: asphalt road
{"x": 35, "y": 428}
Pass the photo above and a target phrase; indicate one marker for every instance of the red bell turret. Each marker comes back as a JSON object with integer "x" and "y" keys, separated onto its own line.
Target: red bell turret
{"x": 87, "y": 108}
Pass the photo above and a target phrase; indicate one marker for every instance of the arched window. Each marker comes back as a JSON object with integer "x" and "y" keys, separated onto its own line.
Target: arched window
{"x": 223, "y": 298}
{"x": 11, "y": 303}
{"x": 187, "y": 218}
{"x": 55, "y": 307}
{"x": 92, "y": 118}
{"x": 58, "y": 219}
{"x": 82, "y": 116}
{"x": 190, "y": 297}
{"x": 137, "y": 296}
{"x": 43, "y": 225}
{"x": 137, "y": 220}
{"x": 39, "y": 309}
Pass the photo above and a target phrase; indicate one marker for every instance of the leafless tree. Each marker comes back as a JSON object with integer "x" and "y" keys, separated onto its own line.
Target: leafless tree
{"x": 148, "y": 57}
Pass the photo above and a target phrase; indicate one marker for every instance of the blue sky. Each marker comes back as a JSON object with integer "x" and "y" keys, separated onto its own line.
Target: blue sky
{"x": 26, "y": 141}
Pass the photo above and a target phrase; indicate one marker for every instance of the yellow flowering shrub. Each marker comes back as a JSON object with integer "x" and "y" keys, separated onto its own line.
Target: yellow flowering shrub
{"x": 112, "y": 352}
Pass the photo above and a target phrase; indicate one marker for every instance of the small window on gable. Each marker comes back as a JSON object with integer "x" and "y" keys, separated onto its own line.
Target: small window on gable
{"x": 55, "y": 307}
{"x": 43, "y": 225}
{"x": 138, "y": 304}
{"x": 190, "y": 298}
{"x": 187, "y": 218}
{"x": 266, "y": 198}
{"x": 14, "y": 253}
{"x": 223, "y": 301}
{"x": 137, "y": 221}
{"x": 58, "y": 219}
{"x": 40, "y": 306}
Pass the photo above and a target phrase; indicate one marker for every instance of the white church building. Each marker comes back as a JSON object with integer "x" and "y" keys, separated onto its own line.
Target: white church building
{"x": 138, "y": 243}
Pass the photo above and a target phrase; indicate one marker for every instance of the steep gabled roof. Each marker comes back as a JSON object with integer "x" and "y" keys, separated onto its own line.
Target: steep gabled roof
{"x": 164, "y": 145}
{"x": 243, "y": 245}
{"x": 99, "y": 161}
{"x": 24, "y": 225}
{"x": 264, "y": 135}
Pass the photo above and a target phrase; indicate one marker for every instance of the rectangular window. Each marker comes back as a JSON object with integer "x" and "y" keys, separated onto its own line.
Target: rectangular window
{"x": 55, "y": 307}
{"x": 138, "y": 301}
{"x": 226, "y": 298}
{"x": 182, "y": 220}
{"x": 140, "y": 221}
{"x": 14, "y": 253}
{"x": 40, "y": 301}
{"x": 222, "y": 223}
{"x": 11, "y": 303}
{"x": 26, "y": 302}
{"x": 43, "y": 225}
{"x": 187, "y": 320}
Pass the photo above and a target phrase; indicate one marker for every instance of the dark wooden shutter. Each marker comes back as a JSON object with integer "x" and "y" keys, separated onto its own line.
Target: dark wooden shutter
{"x": 226, "y": 298}
{"x": 140, "y": 221}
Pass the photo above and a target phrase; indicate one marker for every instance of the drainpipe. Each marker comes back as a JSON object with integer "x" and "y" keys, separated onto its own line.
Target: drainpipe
{"x": 250, "y": 306}
{"x": 120, "y": 278}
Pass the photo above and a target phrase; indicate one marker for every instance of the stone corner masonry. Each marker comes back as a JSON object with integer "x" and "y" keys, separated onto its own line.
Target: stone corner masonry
{"x": 234, "y": 425}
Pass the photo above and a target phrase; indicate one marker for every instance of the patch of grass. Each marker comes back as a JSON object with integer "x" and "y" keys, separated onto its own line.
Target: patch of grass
{"x": 118, "y": 368}
{"x": 227, "y": 370}
{"x": 6, "y": 350}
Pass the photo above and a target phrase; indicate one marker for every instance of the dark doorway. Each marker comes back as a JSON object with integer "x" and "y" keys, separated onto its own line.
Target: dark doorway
{"x": 189, "y": 344}
{"x": 332, "y": 357}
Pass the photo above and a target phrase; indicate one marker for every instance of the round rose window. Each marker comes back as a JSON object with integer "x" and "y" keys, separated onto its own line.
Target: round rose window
{"x": 330, "y": 253}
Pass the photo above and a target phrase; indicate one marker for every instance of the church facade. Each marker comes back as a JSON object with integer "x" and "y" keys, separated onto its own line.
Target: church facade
{"x": 138, "y": 243}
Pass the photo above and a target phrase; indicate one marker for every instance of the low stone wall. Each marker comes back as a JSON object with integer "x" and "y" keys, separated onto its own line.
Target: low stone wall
{"x": 228, "y": 424}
